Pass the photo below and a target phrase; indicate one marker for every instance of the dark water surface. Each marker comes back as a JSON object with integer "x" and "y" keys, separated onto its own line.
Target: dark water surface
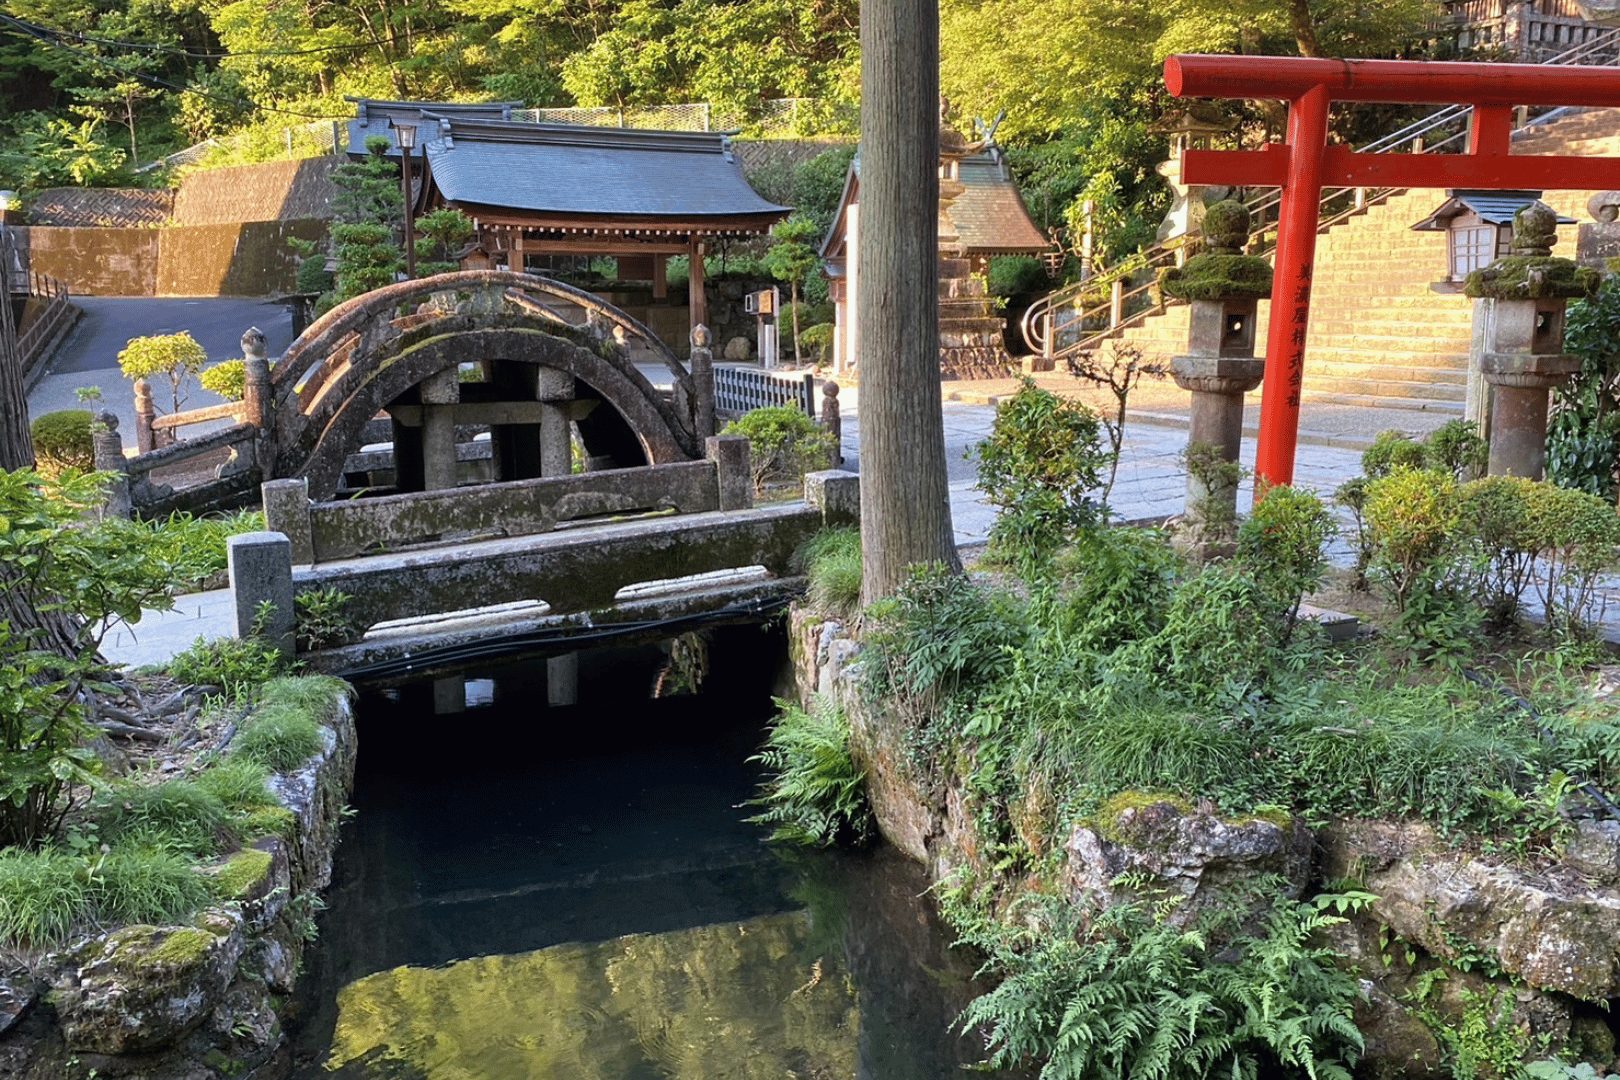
{"x": 573, "y": 893}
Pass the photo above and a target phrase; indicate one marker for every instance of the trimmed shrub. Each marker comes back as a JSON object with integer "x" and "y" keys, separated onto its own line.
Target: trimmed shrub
{"x": 785, "y": 443}
{"x": 1411, "y": 518}
{"x": 1391, "y": 450}
{"x": 64, "y": 440}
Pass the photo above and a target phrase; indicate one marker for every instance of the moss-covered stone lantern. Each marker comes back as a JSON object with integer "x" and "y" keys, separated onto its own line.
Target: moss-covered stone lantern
{"x": 1223, "y": 288}
{"x": 1521, "y": 340}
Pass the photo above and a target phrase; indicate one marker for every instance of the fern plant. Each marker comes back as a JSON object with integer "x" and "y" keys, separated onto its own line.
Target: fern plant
{"x": 815, "y": 793}
{"x": 1132, "y": 995}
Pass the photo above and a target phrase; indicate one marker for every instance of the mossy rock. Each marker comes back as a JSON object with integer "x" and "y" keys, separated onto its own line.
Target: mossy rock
{"x": 244, "y": 875}
{"x": 1533, "y": 277}
{"x": 277, "y": 821}
{"x": 1120, "y": 819}
{"x": 1217, "y": 277}
{"x": 144, "y": 987}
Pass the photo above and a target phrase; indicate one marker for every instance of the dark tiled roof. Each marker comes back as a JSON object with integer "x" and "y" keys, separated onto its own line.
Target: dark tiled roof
{"x": 990, "y": 215}
{"x": 563, "y": 169}
{"x": 1493, "y": 207}
{"x": 377, "y": 118}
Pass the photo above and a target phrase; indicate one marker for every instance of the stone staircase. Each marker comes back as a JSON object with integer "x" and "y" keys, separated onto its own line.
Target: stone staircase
{"x": 971, "y": 342}
{"x": 1379, "y": 336}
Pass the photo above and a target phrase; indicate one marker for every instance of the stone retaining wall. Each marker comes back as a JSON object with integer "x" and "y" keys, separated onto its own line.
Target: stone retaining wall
{"x": 1545, "y": 940}
{"x": 201, "y": 1000}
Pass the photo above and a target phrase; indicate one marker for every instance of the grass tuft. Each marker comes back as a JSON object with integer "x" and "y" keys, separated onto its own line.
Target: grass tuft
{"x": 42, "y": 895}
{"x": 135, "y": 884}
{"x": 238, "y": 783}
{"x": 832, "y": 559}
{"x": 176, "y": 815}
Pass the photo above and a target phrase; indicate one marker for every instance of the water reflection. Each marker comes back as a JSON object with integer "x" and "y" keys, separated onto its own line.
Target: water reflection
{"x": 575, "y": 892}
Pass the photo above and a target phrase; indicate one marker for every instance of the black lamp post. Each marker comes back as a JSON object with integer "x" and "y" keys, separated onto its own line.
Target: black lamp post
{"x": 407, "y": 143}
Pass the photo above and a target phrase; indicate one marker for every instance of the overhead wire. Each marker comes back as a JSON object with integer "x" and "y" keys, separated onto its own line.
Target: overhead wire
{"x": 178, "y": 50}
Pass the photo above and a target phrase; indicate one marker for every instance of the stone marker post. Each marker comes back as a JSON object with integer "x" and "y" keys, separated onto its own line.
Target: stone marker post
{"x": 287, "y": 511}
{"x": 733, "y": 459}
{"x": 1223, "y": 288}
{"x": 832, "y": 421}
{"x": 1522, "y": 342}
{"x": 109, "y": 458}
{"x": 260, "y": 565}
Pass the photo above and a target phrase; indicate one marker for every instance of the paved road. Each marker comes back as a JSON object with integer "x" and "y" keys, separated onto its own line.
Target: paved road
{"x": 89, "y": 357}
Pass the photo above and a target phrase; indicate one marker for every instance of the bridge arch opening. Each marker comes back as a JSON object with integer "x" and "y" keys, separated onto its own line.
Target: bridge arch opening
{"x": 477, "y": 375}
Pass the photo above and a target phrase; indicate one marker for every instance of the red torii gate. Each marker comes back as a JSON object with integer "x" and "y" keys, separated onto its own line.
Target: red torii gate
{"x": 1305, "y": 163}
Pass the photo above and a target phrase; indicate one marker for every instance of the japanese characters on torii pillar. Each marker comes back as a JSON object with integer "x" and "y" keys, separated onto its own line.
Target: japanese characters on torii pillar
{"x": 1305, "y": 163}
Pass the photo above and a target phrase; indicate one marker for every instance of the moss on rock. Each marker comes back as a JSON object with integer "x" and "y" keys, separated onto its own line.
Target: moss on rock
{"x": 1533, "y": 277}
{"x": 244, "y": 874}
{"x": 1217, "y": 277}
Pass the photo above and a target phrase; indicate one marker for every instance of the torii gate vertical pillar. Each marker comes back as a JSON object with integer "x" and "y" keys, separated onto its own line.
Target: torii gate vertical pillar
{"x": 1298, "y": 216}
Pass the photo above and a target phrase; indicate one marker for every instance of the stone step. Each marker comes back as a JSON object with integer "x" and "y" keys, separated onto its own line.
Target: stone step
{"x": 1382, "y": 373}
{"x": 1392, "y": 390}
{"x": 1372, "y": 401}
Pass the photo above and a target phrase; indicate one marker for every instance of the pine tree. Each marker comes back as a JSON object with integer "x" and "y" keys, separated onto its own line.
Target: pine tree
{"x": 369, "y": 207}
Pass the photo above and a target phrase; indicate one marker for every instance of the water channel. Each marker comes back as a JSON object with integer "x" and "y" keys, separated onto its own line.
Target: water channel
{"x": 574, "y": 893}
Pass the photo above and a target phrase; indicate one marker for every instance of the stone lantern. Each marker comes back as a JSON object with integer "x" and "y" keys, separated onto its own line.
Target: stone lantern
{"x": 1196, "y": 127}
{"x": 1223, "y": 288}
{"x": 1521, "y": 342}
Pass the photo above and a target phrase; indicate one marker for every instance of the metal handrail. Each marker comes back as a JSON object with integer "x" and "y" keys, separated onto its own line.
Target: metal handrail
{"x": 1037, "y": 322}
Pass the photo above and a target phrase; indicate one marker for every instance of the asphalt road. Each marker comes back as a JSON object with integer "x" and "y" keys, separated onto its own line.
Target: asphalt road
{"x": 89, "y": 357}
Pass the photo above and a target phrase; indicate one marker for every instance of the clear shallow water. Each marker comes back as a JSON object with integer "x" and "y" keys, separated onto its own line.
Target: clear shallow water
{"x": 567, "y": 893}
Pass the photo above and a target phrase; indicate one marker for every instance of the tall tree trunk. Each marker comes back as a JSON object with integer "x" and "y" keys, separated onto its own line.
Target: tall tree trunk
{"x": 905, "y": 500}
{"x": 794, "y": 288}
{"x": 51, "y": 630}
{"x": 1304, "y": 27}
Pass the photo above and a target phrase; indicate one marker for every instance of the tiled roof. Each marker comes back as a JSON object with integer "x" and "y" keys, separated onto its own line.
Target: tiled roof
{"x": 374, "y": 117}
{"x": 990, "y": 215}
{"x": 564, "y": 169}
{"x": 1493, "y": 208}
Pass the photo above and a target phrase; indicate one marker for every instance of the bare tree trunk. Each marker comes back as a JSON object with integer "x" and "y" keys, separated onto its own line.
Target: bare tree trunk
{"x": 905, "y": 501}
{"x": 50, "y": 630}
{"x": 1304, "y": 27}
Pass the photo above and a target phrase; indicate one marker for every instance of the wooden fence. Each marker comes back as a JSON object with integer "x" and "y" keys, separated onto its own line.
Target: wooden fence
{"x": 36, "y": 342}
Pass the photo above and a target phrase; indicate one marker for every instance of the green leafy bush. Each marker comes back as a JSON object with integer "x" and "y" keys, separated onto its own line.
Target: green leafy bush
{"x": 817, "y": 342}
{"x": 1411, "y": 516}
{"x": 832, "y": 560}
{"x": 78, "y": 575}
{"x": 1575, "y": 535}
{"x": 1017, "y": 275}
{"x": 1037, "y": 467}
{"x": 1583, "y": 438}
{"x": 228, "y": 379}
{"x": 64, "y": 440}
{"x": 1127, "y": 994}
{"x": 1391, "y": 450}
{"x": 321, "y": 622}
{"x": 1284, "y": 545}
{"x": 1456, "y": 448}
{"x": 815, "y": 794}
{"x": 1494, "y": 520}
{"x": 238, "y": 666}
{"x": 784, "y": 442}
{"x": 195, "y": 546}
{"x": 1116, "y": 587}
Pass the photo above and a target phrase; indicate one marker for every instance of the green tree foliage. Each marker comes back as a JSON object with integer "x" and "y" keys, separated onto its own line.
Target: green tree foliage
{"x": 791, "y": 259}
{"x": 784, "y": 443}
{"x": 91, "y": 572}
{"x": 370, "y": 207}
{"x": 443, "y": 233}
{"x": 174, "y": 357}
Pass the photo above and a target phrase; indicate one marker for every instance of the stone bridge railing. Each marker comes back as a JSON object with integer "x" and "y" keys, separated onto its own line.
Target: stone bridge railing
{"x": 574, "y": 542}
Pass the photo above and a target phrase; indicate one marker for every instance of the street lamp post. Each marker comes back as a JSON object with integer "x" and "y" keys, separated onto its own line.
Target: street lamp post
{"x": 407, "y": 143}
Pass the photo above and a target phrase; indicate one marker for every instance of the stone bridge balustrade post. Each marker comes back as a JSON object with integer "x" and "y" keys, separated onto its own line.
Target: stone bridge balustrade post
{"x": 260, "y": 566}
{"x": 733, "y": 460}
{"x": 145, "y": 413}
{"x": 441, "y": 393}
{"x": 836, "y": 493}
{"x": 109, "y": 458}
{"x": 702, "y": 365}
{"x": 256, "y": 379}
{"x": 1521, "y": 344}
{"x": 287, "y": 511}
{"x": 832, "y": 421}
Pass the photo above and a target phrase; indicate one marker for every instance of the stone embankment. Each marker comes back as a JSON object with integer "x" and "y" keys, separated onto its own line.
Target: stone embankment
{"x": 1454, "y": 938}
{"x": 201, "y": 1000}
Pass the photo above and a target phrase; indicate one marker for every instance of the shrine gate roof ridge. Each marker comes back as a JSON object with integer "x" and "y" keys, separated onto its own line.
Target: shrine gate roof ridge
{"x": 1428, "y": 82}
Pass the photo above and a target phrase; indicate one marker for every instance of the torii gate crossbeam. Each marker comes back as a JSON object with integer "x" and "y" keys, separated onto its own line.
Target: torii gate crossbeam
{"x": 1305, "y": 163}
